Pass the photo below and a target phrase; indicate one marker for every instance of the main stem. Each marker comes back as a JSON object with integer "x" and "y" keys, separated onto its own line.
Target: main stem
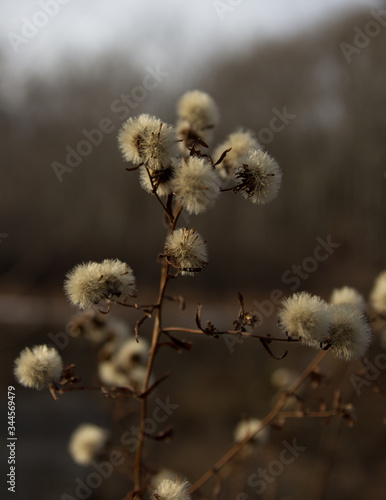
{"x": 156, "y": 334}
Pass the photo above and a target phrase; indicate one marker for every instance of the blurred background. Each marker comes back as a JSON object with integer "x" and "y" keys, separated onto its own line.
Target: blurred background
{"x": 75, "y": 70}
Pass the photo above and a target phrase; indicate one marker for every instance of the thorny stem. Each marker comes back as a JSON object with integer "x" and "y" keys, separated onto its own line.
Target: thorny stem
{"x": 266, "y": 420}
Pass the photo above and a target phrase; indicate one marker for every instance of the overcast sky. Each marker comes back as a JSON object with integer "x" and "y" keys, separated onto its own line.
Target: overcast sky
{"x": 152, "y": 30}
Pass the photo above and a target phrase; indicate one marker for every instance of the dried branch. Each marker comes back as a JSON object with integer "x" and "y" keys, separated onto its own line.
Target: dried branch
{"x": 266, "y": 420}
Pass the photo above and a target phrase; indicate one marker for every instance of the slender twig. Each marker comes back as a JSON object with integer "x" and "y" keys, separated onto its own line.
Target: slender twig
{"x": 266, "y": 420}
{"x": 307, "y": 413}
{"x": 230, "y": 332}
{"x": 141, "y": 307}
{"x": 154, "y": 191}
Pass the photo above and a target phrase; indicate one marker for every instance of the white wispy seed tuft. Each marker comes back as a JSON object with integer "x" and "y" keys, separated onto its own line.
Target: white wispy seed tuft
{"x": 38, "y": 367}
{"x": 187, "y": 251}
{"x": 196, "y": 185}
{"x": 169, "y": 489}
{"x": 146, "y": 139}
{"x": 306, "y": 317}
{"x": 259, "y": 177}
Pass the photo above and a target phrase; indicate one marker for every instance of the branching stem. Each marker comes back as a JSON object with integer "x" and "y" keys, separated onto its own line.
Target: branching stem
{"x": 266, "y": 420}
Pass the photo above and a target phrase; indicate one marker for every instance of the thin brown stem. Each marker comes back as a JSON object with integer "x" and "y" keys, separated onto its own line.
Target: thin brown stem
{"x": 229, "y": 332}
{"x": 266, "y": 420}
{"x": 304, "y": 414}
{"x": 153, "y": 349}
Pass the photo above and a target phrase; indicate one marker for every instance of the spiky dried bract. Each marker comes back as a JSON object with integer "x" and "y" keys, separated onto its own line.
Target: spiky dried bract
{"x": 169, "y": 489}
{"x": 186, "y": 250}
{"x": 350, "y": 332}
{"x": 87, "y": 443}
{"x": 146, "y": 139}
{"x": 306, "y": 317}
{"x": 198, "y": 115}
{"x": 378, "y": 294}
{"x": 249, "y": 426}
{"x": 259, "y": 177}
{"x": 38, "y": 367}
{"x": 89, "y": 283}
{"x": 240, "y": 142}
{"x": 196, "y": 185}
{"x": 348, "y": 295}
{"x": 159, "y": 181}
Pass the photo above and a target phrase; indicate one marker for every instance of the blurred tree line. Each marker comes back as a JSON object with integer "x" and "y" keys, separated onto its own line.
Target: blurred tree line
{"x": 332, "y": 152}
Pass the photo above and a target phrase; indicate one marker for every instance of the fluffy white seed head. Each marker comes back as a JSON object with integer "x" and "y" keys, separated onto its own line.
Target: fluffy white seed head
{"x": 350, "y": 332}
{"x": 111, "y": 375}
{"x": 306, "y": 317}
{"x": 159, "y": 180}
{"x": 117, "y": 332}
{"x": 240, "y": 143}
{"x": 198, "y": 115}
{"x": 89, "y": 283}
{"x": 259, "y": 176}
{"x": 246, "y": 427}
{"x": 137, "y": 376}
{"x": 146, "y": 139}
{"x": 87, "y": 442}
{"x": 132, "y": 354}
{"x": 282, "y": 378}
{"x": 38, "y": 367}
{"x": 165, "y": 474}
{"x": 186, "y": 250}
{"x": 84, "y": 286}
{"x": 378, "y": 294}
{"x": 348, "y": 295}
{"x": 119, "y": 278}
{"x": 196, "y": 185}
{"x": 169, "y": 489}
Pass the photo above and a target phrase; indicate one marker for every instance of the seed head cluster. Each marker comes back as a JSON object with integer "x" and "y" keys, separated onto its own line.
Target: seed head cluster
{"x": 89, "y": 283}
{"x": 239, "y": 143}
{"x": 306, "y": 317}
{"x": 341, "y": 327}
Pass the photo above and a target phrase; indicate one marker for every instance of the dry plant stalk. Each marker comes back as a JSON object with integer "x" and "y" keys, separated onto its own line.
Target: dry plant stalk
{"x": 176, "y": 169}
